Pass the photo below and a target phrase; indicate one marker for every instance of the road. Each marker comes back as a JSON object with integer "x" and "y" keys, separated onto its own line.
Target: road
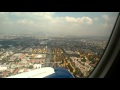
{"x": 48, "y": 62}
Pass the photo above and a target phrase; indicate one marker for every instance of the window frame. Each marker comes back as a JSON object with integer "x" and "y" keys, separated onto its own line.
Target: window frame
{"x": 110, "y": 52}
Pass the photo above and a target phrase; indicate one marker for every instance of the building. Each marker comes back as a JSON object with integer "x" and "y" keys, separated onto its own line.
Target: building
{"x": 5, "y": 74}
{"x": 15, "y": 56}
{"x": 38, "y": 56}
{"x": 37, "y": 66}
{"x": 3, "y": 68}
{"x": 16, "y": 71}
{"x": 21, "y": 70}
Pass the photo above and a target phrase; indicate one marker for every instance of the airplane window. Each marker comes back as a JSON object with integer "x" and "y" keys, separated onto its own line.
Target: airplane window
{"x": 39, "y": 44}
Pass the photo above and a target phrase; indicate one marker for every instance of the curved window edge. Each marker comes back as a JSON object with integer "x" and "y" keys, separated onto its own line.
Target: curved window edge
{"x": 110, "y": 53}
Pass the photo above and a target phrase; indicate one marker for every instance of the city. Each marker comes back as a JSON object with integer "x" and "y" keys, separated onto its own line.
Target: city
{"x": 23, "y": 53}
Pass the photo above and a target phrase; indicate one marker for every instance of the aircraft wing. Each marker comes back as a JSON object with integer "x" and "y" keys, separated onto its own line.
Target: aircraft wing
{"x": 46, "y": 72}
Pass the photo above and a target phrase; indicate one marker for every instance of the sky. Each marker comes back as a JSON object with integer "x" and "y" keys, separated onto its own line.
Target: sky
{"x": 58, "y": 23}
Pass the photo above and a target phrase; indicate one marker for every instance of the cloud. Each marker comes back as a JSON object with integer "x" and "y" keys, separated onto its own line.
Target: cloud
{"x": 3, "y": 13}
{"x": 96, "y": 18}
{"x": 106, "y": 17}
{"x": 86, "y": 20}
{"x": 71, "y": 19}
{"x": 82, "y": 20}
{"x": 49, "y": 22}
{"x": 109, "y": 22}
{"x": 25, "y": 21}
{"x": 47, "y": 17}
{"x": 17, "y": 13}
{"x": 105, "y": 25}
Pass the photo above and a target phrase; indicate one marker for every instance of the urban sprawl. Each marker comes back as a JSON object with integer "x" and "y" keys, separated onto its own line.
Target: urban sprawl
{"x": 19, "y": 54}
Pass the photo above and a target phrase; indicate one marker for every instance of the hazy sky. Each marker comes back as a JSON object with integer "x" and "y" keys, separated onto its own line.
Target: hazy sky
{"x": 72, "y": 23}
